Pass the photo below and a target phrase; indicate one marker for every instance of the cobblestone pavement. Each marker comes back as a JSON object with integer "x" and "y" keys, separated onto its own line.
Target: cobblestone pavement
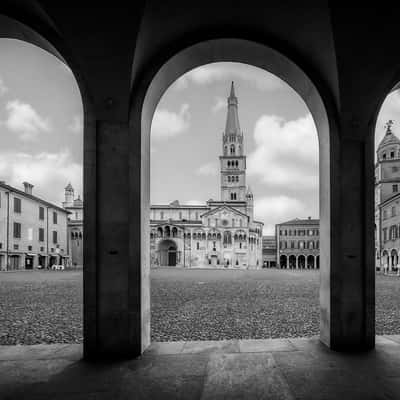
{"x": 46, "y": 307}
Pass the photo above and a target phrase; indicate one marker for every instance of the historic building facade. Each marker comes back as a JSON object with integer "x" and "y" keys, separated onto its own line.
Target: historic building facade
{"x": 33, "y": 232}
{"x": 269, "y": 251}
{"x": 387, "y": 202}
{"x": 75, "y": 226}
{"x": 220, "y": 233}
{"x": 298, "y": 244}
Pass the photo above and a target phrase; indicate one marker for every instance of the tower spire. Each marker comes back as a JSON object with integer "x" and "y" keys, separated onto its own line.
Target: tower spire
{"x": 232, "y": 126}
{"x": 232, "y": 90}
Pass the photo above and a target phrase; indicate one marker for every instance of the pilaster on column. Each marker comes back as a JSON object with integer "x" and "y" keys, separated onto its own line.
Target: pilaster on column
{"x": 347, "y": 290}
{"x": 297, "y": 262}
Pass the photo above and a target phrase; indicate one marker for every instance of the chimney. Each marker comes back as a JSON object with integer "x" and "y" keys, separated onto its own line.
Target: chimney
{"x": 28, "y": 187}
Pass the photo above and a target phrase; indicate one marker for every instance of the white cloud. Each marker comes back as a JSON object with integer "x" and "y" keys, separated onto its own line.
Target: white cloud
{"x": 219, "y": 104}
{"x": 49, "y": 172}
{"x": 24, "y": 120}
{"x": 286, "y": 153}
{"x": 390, "y": 110}
{"x": 277, "y": 209}
{"x": 76, "y": 125}
{"x": 210, "y": 73}
{"x": 167, "y": 124}
{"x": 3, "y": 87}
{"x": 208, "y": 169}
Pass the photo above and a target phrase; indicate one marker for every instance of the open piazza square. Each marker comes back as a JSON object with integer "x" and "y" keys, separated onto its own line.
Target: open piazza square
{"x": 196, "y": 304}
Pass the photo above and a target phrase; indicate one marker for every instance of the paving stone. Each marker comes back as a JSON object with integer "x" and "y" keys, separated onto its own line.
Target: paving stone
{"x": 244, "y": 376}
{"x": 265, "y": 345}
{"x": 220, "y": 346}
{"x": 164, "y": 348}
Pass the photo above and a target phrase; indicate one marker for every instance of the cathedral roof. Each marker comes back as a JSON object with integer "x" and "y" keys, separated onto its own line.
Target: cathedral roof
{"x": 390, "y": 138}
{"x": 221, "y": 207}
{"x": 298, "y": 221}
{"x": 232, "y": 118}
{"x": 69, "y": 187}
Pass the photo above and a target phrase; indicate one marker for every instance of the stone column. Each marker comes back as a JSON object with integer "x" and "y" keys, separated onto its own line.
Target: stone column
{"x": 347, "y": 290}
{"x": 315, "y": 261}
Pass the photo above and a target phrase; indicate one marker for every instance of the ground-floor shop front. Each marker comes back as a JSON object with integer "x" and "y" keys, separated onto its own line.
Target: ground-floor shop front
{"x": 13, "y": 261}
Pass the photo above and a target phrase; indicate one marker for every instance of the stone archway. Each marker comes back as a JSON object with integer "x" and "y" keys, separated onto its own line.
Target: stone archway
{"x": 301, "y": 261}
{"x": 167, "y": 253}
{"x": 310, "y": 262}
{"x": 292, "y": 261}
{"x": 155, "y": 81}
{"x": 283, "y": 261}
{"x": 394, "y": 259}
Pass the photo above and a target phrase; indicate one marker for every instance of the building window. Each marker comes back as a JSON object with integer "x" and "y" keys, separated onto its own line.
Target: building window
{"x": 1, "y": 245}
{"x": 180, "y": 214}
{"x": 16, "y": 247}
{"x": 54, "y": 217}
{"x": 17, "y": 205}
{"x": 233, "y": 222}
{"x": 197, "y": 215}
{"x": 292, "y": 244}
{"x": 29, "y": 248}
{"x": 392, "y": 154}
{"x": 384, "y": 214}
{"x": 17, "y": 230}
{"x": 41, "y": 213}
{"x": 384, "y": 234}
{"x": 42, "y": 249}
{"x": 384, "y": 156}
{"x": 41, "y": 234}
{"x": 301, "y": 245}
{"x": 54, "y": 237}
{"x": 395, "y": 188}
{"x": 393, "y": 211}
{"x": 161, "y": 215}
{"x": 198, "y": 246}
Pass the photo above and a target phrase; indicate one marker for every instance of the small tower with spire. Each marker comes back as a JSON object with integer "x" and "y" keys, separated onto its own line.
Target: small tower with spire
{"x": 69, "y": 196}
{"x": 233, "y": 160}
{"x": 250, "y": 204}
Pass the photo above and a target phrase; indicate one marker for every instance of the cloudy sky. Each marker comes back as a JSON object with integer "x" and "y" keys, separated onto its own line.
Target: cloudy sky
{"x": 41, "y": 132}
{"x": 40, "y": 121}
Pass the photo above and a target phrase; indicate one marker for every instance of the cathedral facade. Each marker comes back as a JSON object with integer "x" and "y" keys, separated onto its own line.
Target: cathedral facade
{"x": 219, "y": 233}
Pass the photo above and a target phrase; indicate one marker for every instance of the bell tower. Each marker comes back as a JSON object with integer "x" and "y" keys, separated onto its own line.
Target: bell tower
{"x": 233, "y": 160}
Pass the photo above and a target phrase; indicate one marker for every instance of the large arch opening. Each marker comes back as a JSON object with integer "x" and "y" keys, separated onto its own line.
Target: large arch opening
{"x": 48, "y": 246}
{"x": 234, "y": 50}
{"x": 387, "y": 214}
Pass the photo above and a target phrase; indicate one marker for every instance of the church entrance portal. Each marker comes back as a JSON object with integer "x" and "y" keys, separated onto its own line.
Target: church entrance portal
{"x": 167, "y": 253}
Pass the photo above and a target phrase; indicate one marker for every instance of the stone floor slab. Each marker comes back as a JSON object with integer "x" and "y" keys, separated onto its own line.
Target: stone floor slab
{"x": 34, "y": 352}
{"x": 303, "y": 369}
{"x": 244, "y": 376}
{"x": 160, "y": 348}
{"x": 265, "y": 345}
{"x": 206, "y": 347}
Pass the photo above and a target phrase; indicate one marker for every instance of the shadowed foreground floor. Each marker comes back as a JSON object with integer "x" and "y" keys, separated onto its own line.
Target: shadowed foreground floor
{"x": 238, "y": 369}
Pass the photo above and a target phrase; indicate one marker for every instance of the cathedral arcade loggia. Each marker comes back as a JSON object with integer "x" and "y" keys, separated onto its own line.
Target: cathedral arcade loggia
{"x": 124, "y": 58}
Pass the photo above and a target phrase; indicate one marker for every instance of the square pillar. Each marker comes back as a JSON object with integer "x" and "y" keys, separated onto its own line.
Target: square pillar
{"x": 347, "y": 291}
